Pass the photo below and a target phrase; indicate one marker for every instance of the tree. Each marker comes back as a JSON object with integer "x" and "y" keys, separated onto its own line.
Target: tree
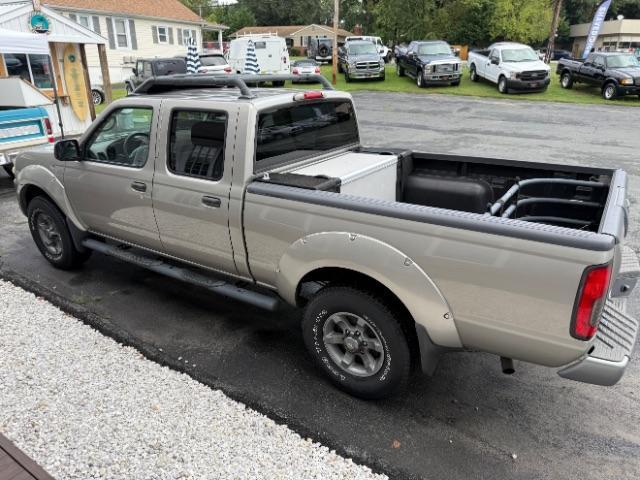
{"x": 233, "y": 16}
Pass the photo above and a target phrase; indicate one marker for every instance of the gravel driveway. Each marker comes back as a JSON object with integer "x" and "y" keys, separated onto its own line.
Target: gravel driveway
{"x": 83, "y": 406}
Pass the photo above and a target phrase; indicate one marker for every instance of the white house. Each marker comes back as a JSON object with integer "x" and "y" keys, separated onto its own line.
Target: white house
{"x": 135, "y": 29}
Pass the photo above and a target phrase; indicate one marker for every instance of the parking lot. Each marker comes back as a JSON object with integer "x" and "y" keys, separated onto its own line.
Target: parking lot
{"x": 468, "y": 421}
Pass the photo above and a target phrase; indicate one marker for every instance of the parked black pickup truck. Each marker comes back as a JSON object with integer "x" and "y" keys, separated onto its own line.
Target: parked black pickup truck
{"x": 617, "y": 74}
{"x": 430, "y": 63}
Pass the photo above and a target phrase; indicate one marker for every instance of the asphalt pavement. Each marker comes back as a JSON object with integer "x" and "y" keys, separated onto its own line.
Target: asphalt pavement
{"x": 468, "y": 421}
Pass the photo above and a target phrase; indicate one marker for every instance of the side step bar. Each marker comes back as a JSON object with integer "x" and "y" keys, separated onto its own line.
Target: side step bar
{"x": 215, "y": 284}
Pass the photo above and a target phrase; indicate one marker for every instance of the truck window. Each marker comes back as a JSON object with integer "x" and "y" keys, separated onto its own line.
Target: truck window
{"x": 598, "y": 61}
{"x": 196, "y": 143}
{"x": 260, "y": 45}
{"x": 122, "y": 138}
{"x": 292, "y": 133}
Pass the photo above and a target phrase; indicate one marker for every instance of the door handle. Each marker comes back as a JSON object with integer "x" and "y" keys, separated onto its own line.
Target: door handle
{"x": 213, "y": 202}
{"x": 139, "y": 186}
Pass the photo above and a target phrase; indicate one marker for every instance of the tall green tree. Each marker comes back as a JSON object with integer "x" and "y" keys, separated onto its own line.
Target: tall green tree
{"x": 233, "y": 16}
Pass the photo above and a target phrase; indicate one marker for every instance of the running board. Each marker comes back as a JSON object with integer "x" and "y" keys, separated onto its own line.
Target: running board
{"x": 215, "y": 284}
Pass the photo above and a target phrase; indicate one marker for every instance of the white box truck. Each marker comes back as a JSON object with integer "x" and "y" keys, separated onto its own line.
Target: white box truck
{"x": 271, "y": 51}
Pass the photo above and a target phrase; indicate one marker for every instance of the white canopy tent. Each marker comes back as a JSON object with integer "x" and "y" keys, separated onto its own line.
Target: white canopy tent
{"x": 21, "y": 42}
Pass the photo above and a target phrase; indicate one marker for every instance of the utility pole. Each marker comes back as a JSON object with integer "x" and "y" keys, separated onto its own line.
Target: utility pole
{"x": 336, "y": 23}
{"x": 557, "y": 8}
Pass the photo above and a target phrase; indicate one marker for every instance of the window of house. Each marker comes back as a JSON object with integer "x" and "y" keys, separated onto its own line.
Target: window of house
{"x": 121, "y": 33}
{"x": 85, "y": 21}
{"x": 196, "y": 143}
{"x": 187, "y": 34}
{"x": 32, "y": 68}
{"x": 163, "y": 35}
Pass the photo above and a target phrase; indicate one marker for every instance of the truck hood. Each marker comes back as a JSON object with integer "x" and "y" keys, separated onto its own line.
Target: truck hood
{"x": 429, "y": 59}
{"x": 631, "y": 71}
{"x": 525, "y": 66}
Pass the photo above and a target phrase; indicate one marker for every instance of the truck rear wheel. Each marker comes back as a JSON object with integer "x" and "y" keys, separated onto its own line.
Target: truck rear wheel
{"x": 473, "y": 74}
{"x": 566, "y": 80}
{"x": 51, "y": 235}
{"x": 357, "y": 341}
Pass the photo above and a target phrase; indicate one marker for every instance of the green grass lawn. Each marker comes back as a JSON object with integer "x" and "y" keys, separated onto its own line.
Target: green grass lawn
{"x": 578, "y": 94}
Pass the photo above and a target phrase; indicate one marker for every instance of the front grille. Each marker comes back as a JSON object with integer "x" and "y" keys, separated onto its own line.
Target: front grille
{"x": 368, "y": 66}
{"x": 533, "y": 75}
{"x": 446, "y": 68}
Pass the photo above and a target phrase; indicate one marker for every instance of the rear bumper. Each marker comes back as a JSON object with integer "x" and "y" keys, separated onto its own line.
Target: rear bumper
{"x": 609, "y": 356}
{"x": 528, "y": 86}
{"x": 8, "y": 156}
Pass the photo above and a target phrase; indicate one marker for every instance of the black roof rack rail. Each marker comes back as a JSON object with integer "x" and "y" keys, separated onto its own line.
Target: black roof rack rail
{"x": 172, "y": 83}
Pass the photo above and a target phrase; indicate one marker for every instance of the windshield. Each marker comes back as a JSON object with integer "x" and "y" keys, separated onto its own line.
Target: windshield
{"x": 434, "y": 49}
{"x": 519, "y": 55}
{"x": 213, "y": 61}
{"x": 362, "y": 49}
{"x": 622, "y": 61}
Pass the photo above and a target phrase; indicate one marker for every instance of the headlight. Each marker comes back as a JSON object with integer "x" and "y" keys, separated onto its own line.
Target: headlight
{"x": 626, "y": 81}
{"x": 513, "y": 75}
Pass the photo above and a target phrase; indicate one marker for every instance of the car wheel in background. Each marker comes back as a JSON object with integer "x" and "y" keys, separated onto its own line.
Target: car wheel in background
{"x": 51, "y": 235}
{"x": 455, "y": 84}
{"x": 473, "y": 74}
{"x": 399, "y": 69}
{"x": 97, "y": 97}
{"x": 382, "y": 77}
{"x": 609, "y": 92}
{"x": 128, "y": 88}
{"x": 358, "y": 341}
{"x": 339, "y": 67}
{"x": 502, "y": 85}
{"x": 278, "y": 84}
{"x": 347, "y": 78}
{"x": 419, "y": 79}
{"x": 566, "y": 80}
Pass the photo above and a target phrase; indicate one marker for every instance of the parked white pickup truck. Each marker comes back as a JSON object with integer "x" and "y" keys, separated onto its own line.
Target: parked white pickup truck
{"x": 396, "y": 256}
{"x": 511, "y": 66}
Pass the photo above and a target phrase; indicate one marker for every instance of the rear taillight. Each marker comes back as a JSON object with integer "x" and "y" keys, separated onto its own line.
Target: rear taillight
{"x": 317, "y": 69}
{"x": 227, "y": 70}
{"x": 590, "y": 301}
{"x": 48, "y": 130}
{"x": 295, "y": 71}
{"x": 311, "y": 95}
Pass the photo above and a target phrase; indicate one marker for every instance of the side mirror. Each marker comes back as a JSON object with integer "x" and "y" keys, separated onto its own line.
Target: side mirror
{"x": 495, "y": 61}
{"x": 134, "y": 70}
{"x": 67, "y": 150}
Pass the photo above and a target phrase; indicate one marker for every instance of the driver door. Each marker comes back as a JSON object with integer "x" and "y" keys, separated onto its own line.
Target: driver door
{"x": 492, "y": 70}
{"x": 110, "y": 188}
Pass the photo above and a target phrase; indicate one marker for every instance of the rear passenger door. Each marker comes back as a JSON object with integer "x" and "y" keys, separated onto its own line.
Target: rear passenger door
{"x": 192, "y": 182}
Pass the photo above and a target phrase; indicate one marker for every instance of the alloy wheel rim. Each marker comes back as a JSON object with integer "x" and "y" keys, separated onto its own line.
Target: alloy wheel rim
{"x": 609, "y": 91}
{"x": 48, "y": 233}
{"x": 565, "y": 80}
{"x": 97, "y": 98}
{"x": 353, "y": 344}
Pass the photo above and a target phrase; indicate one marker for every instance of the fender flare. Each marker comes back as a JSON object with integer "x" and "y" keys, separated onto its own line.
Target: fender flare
{"x": 378, "y": 260}
{"x": 45, "y": 180}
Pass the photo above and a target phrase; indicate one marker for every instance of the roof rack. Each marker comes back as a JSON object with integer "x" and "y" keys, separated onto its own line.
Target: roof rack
{"x": 172, "y": 83}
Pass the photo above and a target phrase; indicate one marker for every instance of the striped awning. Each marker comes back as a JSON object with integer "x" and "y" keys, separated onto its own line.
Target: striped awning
{"x": 193, "y": 58}
{"x": 251, "y": 60}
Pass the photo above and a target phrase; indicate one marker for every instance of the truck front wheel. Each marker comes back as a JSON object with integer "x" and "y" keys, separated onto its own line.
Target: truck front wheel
{"x": 502, "y": 85}
{"x": 399, "y": 69}
{"x": 609, "y": 91}
{"x": 51, "y": 235}
{"x": 357, "y": 341}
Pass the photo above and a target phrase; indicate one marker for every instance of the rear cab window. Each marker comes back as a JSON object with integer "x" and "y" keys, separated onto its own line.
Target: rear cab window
{"x": 295, "y": 132}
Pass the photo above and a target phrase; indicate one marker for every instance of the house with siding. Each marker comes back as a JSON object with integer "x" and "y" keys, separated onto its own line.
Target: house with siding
{"x": 135, "y": 29}
{"x": 296, "y": 36}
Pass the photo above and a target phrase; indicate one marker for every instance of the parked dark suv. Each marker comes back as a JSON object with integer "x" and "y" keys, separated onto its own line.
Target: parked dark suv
{"x": 154, "y": 67}
{"x": 320, "y": 49}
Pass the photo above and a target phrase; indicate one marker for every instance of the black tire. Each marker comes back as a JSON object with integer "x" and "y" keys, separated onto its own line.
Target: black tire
{"x": 347, "y": 78}
{"x": 609, "y": 91}
{"x": 419, "y": 79}
{"x": 473, "y": 74}
{"x": 339, "y": 67}
{"x": 502, "y": 85}
{"x": 455, "y": 84}
{"x": 69, "y": 257}
{"x": 9, "y": 170}
{"x": 399, "y": 69}
{"x": 128, "y": 88}
{"x": 566, "y": 80}
{"x": 394, "y": 360}
{"x": 278, "y": 84}
{"x": 97, "y": 97}
{"x": 382, "y": 78}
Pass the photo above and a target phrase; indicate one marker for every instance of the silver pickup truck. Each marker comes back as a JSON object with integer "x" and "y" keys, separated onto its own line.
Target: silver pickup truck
{"x": 396, "y": 257}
